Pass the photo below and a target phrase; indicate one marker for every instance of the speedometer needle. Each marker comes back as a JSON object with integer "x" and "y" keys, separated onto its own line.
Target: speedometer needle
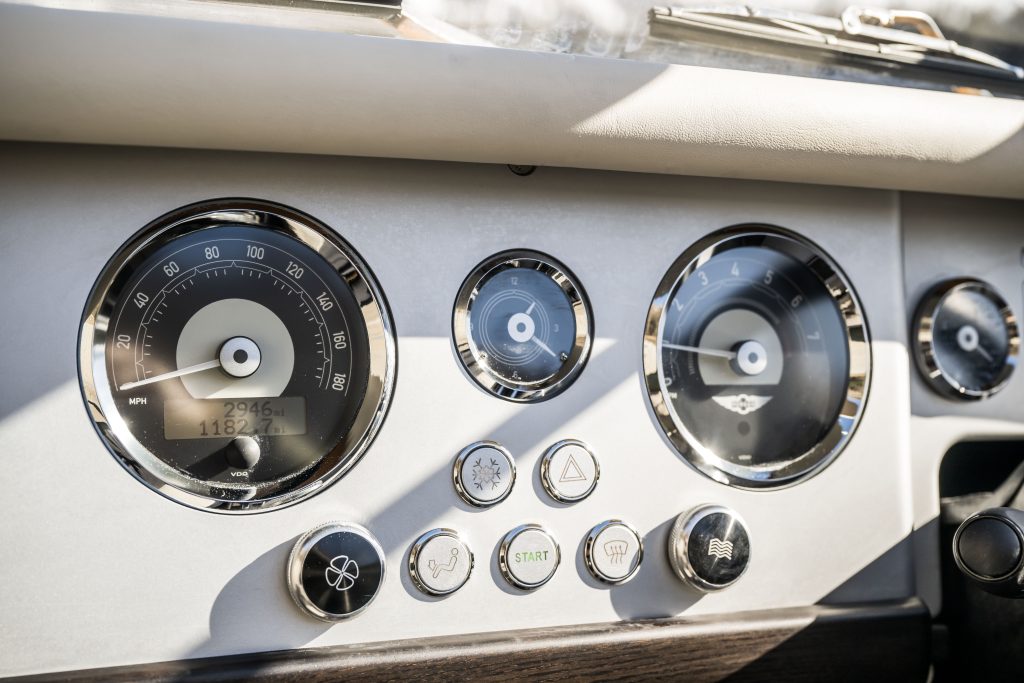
{"x": 199, "y": 367}
{"x": 729, "y": 355}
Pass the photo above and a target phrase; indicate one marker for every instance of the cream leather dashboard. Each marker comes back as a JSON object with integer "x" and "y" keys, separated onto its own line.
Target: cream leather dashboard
{"x": 111, "y": 121}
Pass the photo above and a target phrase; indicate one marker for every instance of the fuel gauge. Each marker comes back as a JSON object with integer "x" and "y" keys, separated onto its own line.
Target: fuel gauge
{"x": 522, "y": 326}
{"x": 967, "y": 339}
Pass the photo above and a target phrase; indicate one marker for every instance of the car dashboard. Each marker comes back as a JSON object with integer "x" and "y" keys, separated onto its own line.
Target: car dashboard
{"x": 488, "y": 387}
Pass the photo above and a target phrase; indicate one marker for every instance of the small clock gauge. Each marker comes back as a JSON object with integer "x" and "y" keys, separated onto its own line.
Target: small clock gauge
{"x": 966, "y": 339}
{"x": 522, "y": 326}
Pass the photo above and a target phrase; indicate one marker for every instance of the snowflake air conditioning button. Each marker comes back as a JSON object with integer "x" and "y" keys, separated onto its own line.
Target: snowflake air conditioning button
{"x": 335, "y": 571}
{"x": 709, "y": 548}
{"x": 484, "y": 473}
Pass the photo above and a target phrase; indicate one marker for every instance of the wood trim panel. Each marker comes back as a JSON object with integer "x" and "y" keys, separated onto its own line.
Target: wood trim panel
{"x": 877, "y": 642}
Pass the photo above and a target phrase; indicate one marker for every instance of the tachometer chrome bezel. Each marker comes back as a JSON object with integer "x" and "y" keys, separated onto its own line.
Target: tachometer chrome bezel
{"x": 147, "y": 467}
{"x": 805, "y": 465}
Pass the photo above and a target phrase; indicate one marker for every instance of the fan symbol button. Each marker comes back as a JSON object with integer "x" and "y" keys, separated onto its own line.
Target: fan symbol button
{"x": 342, "y": 573}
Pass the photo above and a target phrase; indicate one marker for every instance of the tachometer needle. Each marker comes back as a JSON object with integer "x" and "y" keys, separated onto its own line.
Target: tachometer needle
{"x": 728, "y": 355}
{"x": 208, "y": 365}
{"x": 544, "y": 346}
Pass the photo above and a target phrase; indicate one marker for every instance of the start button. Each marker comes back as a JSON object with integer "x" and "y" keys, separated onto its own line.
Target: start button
{"x": 528, "y": 556}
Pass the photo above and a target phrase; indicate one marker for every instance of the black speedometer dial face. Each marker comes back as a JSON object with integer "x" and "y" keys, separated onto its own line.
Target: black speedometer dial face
{"x": 967, "y": 339}
{"x": 756, "y": 358}
{"x": 522, "y": 326}
{"x": 244, "y": 357}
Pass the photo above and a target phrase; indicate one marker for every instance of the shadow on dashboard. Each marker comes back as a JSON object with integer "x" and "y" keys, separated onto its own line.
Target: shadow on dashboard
{"x": 237, "y": 621}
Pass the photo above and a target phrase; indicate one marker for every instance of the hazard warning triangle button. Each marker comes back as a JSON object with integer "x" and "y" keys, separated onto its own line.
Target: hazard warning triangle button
{"x": 569, "y": 471}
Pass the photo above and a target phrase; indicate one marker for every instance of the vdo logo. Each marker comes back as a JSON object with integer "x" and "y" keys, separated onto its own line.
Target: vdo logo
{"x": 342, "y": 573}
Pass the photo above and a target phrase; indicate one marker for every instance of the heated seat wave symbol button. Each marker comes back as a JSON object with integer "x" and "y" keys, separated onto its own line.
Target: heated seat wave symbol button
{"x": 341, "y": 573}
{"x": 720, "y": 549}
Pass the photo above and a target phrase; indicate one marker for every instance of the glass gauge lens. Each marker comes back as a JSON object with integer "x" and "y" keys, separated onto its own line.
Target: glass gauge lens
{"x": 756, "y": 358}
{"x": 522, "y": 326}
{"x": 967, "y": 339}
{"x": 237, "y": 358}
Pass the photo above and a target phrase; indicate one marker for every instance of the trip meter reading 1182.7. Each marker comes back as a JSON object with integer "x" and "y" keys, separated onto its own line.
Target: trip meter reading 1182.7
{"x": 237, "y": 357}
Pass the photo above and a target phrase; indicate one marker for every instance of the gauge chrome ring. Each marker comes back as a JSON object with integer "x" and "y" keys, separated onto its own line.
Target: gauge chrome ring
{"x": 476, "y": 368}
{"x": 702, "y": 458}
{"x": 924, "y": 350}
{"x": 225, "y": 497}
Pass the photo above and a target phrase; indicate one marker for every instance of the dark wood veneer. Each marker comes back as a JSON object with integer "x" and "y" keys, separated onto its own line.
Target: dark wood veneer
{"x": 876, "y": 642}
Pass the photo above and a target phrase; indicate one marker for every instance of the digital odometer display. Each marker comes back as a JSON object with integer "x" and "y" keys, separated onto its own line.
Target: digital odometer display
{"x": 245, "y": 331}
{"x": 211, "y": 419}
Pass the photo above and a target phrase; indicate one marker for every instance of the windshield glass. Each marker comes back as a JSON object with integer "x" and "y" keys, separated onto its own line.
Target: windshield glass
{"x": 962, "y": 45}
{"x": 619, "y": 28}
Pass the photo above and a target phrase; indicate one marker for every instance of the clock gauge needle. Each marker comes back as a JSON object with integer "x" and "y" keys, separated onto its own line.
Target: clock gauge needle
{"x": 199, "y": 367}
{"x": 728, "y": 355}
{"x": 544, "y": 346}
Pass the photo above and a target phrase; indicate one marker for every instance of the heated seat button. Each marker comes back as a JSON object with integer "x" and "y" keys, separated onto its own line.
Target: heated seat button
{"x": 709, "y": 548}
{"x": 528, "y": 557}
{"x": 335, "y": 571}
{"x": 440, "y": 562}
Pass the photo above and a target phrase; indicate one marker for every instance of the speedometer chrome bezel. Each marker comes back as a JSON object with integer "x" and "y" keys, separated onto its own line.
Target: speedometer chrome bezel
{"x": 809, "y": 463}
{"x": 147, "y": 467}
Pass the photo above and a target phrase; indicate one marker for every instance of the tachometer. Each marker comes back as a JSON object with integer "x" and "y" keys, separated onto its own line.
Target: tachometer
{"x": 237, "y": 355}
{"x": 756, "y": 357}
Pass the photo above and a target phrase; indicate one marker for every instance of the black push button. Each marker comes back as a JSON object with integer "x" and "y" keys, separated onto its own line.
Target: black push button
{"x": 709, "y": 548}
{"x": 335, "y": 571}
{"x": 989, "y": 547}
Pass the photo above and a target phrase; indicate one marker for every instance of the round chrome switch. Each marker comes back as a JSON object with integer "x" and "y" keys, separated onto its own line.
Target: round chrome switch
{"x": 709, "y": 548}
{"x": 528, "y": 556}
{"x": 613, "y": 552}
{"x": 484, "y": 473}
{"x": 569, "y": 471}
{"x": 440, "y": 562}
{"x": 335, "y": 571}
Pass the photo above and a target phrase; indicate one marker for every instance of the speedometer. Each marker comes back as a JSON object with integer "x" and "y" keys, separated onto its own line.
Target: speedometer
{"x": 756, "y": 357}
{"x": 237, "y": 356}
